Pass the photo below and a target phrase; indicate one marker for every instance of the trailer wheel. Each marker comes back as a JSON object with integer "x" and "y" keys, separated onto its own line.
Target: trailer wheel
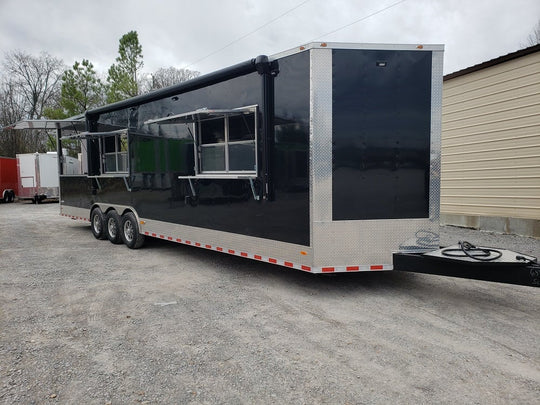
{"x": 112, "y": 227}
{"x": 130, "y": 231}
{"x": 97, "y": 222}
{"x": 11, "y": 196}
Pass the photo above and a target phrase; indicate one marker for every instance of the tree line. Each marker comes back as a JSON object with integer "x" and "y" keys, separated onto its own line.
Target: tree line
{"x": 38, "y": 87}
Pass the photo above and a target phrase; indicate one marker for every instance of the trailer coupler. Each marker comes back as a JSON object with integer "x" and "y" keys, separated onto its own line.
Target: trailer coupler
{"x": 465, "y": 260}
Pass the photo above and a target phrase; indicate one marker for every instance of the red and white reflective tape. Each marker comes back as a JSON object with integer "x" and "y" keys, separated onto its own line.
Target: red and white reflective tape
{"x": 233, "y": 252}
{"x": 349, "y": 269}
{"x": 267, "y": 259}
{"x": 77, "y": 218}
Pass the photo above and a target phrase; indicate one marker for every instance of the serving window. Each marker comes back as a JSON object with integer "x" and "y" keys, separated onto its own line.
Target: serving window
{"x": 103, "y": 153}
{"x": 227, "y": 144}
{"x": 225, "y": 141}
{"x": 114, "y": 150}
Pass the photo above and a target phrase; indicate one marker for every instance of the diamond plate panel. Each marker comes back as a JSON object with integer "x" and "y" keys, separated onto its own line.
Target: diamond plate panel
{"x": 371, "y": 241}
{"x": 321, "y": 134}
{"x": 436, "y": 129}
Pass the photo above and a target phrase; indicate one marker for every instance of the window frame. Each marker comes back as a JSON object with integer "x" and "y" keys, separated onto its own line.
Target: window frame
{"x": 191, "y": 120}
{"x": 119, "y": 154}
{"x": 226, "y": 143}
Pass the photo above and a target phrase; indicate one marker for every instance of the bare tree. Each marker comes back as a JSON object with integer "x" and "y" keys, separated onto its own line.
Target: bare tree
{"x": 164, "y": 77}
{"x": 37, "y": 79}
{"x": 534, "y": 37}
{"x": 10, "y": 111}
{"x": 29, "y": 85}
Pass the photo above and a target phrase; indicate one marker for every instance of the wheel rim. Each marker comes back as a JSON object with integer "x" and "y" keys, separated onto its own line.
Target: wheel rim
{"x": 112, "y": 227}
{"x": 128, "y": 231}
{"x": 97, "y": 224}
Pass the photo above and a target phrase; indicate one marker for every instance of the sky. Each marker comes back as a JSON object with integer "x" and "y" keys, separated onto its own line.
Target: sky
{"x": 207, "y": 35}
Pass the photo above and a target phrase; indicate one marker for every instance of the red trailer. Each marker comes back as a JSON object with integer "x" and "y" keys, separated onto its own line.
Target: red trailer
{"x": 8, "y": 179}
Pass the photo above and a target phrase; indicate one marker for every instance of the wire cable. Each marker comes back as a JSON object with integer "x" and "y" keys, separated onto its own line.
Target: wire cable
{"x": 249, "y": 33}
{"x": 360, "y": 19}
{"x": 467, "y": 249}
{"x": 284, "y": 14}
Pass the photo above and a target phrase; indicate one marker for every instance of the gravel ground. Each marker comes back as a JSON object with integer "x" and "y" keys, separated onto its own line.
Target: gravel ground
{"x": 84, "y": 321}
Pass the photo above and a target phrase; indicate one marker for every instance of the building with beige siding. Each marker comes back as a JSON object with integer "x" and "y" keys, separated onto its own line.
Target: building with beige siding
{"x": 490, "y": 168}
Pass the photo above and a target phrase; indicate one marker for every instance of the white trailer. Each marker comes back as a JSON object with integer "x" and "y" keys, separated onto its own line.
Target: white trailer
{"x": 38, "y": 175}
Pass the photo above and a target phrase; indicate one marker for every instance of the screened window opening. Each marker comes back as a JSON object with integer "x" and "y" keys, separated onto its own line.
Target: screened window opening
{"x": 225, "y": 141}
{"x": 115, "y": 153}
{"x": 228, "y": 144}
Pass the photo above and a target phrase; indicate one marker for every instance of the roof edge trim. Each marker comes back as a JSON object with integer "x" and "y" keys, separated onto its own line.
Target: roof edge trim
{"x": 493, "y": 62}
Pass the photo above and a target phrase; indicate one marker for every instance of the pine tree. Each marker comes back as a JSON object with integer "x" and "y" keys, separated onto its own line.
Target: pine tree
{"x": 81, "y": 89}
{"x": 123, "y": 74}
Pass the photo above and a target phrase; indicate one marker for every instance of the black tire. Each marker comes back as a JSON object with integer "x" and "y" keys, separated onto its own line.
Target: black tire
{"x": 11, "y": 196}
{"x": 112, "y": 227}
{"x": 97, "y": 223}
{"x": 129, "y": 230}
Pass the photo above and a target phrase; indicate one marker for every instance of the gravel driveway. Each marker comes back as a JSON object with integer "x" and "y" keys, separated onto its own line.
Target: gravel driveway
{"x": 84, "y": 321}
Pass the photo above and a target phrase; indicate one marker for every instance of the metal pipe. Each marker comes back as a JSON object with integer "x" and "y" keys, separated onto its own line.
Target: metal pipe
{"x": 239, "y": 69}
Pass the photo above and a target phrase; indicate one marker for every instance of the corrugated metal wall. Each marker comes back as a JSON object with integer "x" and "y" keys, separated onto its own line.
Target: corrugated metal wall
{"x": 491, "y": 141}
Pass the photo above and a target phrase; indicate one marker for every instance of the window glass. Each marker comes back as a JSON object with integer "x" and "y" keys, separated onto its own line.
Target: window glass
{"x": 123, "y": 147}
{"x": 213, "y": 158}
{"x": 109, "y": 143}
{"x": 241, "y": 127}
{"x": 213, "y": 131}
{"x": 110, "y": 162}
{"x": 228, "y": 144}
{"x": 123, "y": 162}
{"x": 115, "y": 153}
{"x": 242, "y": 156}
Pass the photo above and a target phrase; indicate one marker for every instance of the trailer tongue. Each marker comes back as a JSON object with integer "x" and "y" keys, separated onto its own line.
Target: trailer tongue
{"x": 465, "y": 260}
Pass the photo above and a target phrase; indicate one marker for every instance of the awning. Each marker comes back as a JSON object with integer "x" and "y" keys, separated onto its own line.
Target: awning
{"x": 200, "y": 115}
{"x": 75, "y": 124}
{"x": 89, "y": 135}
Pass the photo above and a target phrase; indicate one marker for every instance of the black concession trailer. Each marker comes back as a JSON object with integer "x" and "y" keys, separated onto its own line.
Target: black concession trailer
{"x": 324, "y": 158}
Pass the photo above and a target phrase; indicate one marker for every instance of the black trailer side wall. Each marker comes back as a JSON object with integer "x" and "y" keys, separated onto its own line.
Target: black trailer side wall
{"x": 159, "y": 156}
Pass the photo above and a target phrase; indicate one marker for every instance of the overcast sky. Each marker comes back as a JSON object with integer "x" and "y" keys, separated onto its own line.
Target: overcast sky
{"x": 183, "y": 33}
